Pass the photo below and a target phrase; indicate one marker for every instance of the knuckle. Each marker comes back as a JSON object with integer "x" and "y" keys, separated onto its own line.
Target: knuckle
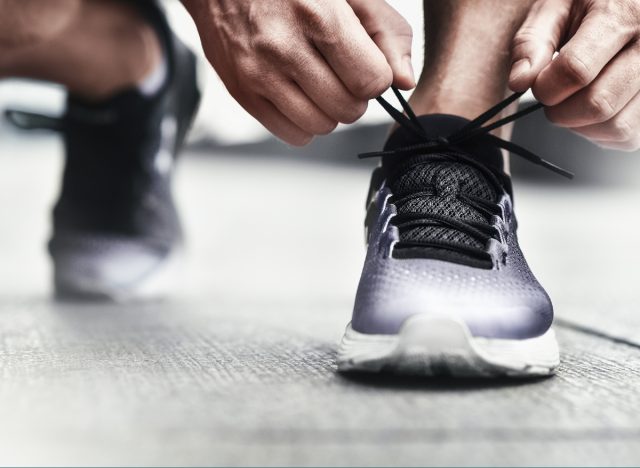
{"x": 354, "y": 112}
{"x": 318, "y": 125}
{"x": 278, "y": 48}
{"x": 574, "y": 68}
{"x": 402, "y": 27}
{"x": 297, "y": 65}
{"x": 247, "y": 68}
{"x": 368, "y": 87}
{"x": 621, "y": 17}
{"x": 315, "y": 124}
{"x": 599, "y": 105}
{"x": 252, "y": 78}
{"x": 240, "y": 87}
{"x": 621, "y": 130}
{"x": 313, "y": 17}
{"x": 301, "y": 139}
{"x": 393, "y": 20}
{"x": 525, "y": 35}
{"x": 528, "y": 39}
{"x": 326, "y": 40}
{"x": 283, "y": 49}
{"x": 327, "y": 128}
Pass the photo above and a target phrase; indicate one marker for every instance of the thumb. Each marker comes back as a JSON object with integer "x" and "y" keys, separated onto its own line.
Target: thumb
{"x": 393, "y": 36}
{"x": 536, "y": 41}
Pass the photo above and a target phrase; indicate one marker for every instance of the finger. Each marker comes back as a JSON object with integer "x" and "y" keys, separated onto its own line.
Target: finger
{"x": 319, "y": 82}
{"x": 607, "y": 95}
{"x": 275, "y": 121}
{"x": 297, "y": 107}
{"x": 350, "y": 52}
{"x": 536, "y": 41}
{"x": 617, "y": 130}
{"x": 594, "y": 44}
{"x": 393, "y": 36}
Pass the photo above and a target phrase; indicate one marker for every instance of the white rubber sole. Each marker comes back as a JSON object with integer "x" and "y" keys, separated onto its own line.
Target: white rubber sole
{"x": 164, "y": 281}
{"x": 158, "y": 283}
{"x": 430, "y": 346}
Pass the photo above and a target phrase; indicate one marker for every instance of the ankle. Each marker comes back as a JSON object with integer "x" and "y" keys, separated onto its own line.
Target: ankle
{"x": 127, "y": 50}
{"x": 110, "y": 47}
{"x": 468, "y": 103}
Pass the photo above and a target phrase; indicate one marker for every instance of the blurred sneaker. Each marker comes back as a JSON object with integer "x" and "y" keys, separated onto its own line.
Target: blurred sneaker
{"x": 116, "y": 232}
{"x": 445, "y": 288}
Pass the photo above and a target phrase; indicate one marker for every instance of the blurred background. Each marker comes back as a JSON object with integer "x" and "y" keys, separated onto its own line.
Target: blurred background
{"x": 237, "y": 368}
{"x": 222, "y": 124}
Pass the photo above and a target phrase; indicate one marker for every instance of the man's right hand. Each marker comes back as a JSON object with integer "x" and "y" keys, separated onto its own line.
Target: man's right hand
{"x": 302, "y": 66}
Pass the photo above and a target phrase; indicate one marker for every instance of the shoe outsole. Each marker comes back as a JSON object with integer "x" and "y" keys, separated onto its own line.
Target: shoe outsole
{"x": 433, "y": 346}
{"x": 157, "y": 284}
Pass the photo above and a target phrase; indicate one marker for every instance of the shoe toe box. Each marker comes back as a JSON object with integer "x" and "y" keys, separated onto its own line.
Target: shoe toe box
{"x": 505, "y": 303}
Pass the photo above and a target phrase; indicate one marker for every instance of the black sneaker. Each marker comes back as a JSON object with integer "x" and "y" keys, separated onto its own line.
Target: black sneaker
{"x": 445, "y": 288}
{"x": 116, "y": 232}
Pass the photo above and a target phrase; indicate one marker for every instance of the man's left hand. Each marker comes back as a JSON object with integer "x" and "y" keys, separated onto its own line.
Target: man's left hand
{"x": 593, "y": 85}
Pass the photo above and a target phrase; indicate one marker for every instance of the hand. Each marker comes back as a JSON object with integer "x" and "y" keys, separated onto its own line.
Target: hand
{"x": 302, "y": 66}
{"x": 592, "y": 86}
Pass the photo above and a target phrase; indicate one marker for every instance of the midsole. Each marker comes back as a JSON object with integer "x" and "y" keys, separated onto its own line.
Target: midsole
{"x": 439, "y": 336}
{"x": 159, "y": 280}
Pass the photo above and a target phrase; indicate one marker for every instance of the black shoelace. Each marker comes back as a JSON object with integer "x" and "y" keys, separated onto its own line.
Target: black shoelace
{"x": 443, "y": 148}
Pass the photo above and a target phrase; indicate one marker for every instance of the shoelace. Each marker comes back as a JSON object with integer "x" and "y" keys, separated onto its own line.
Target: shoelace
{"x": 442, "y": 148}
{"x": 472, "y": 130}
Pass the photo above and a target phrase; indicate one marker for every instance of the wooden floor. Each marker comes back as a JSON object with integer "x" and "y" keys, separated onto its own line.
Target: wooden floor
{"x": 238, "y": 367}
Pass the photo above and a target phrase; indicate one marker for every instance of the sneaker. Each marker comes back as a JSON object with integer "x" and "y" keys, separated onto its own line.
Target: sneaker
{"x": 116, "y": 232}
{"x": 445, "y": 288}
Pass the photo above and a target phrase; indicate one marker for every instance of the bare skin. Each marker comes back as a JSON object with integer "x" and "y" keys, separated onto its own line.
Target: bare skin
{"x": 593, "y": 86}
{"x": 300, "y": 67}
{"x": 28, "y": 22}
{"x": 93, "y": 47}
{"x": 467, "y": 55}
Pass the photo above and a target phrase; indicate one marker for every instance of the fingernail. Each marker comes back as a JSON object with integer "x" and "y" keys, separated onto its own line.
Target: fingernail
{"x": 408, "y": 68}
{"x": 520, "y": 67}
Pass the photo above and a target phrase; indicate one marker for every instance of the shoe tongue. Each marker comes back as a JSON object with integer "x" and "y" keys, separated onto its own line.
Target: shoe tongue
{"x": 443, "y": 125}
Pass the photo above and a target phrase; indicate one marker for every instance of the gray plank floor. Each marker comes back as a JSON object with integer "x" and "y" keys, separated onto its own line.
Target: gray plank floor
{"x": 237, "y": 368}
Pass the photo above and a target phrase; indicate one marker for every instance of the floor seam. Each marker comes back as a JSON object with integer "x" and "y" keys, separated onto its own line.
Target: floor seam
{"x": 564, "y": 323}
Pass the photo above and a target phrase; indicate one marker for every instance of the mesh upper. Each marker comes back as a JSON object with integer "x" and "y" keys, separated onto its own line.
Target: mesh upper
{"x": 441, "y": 182}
